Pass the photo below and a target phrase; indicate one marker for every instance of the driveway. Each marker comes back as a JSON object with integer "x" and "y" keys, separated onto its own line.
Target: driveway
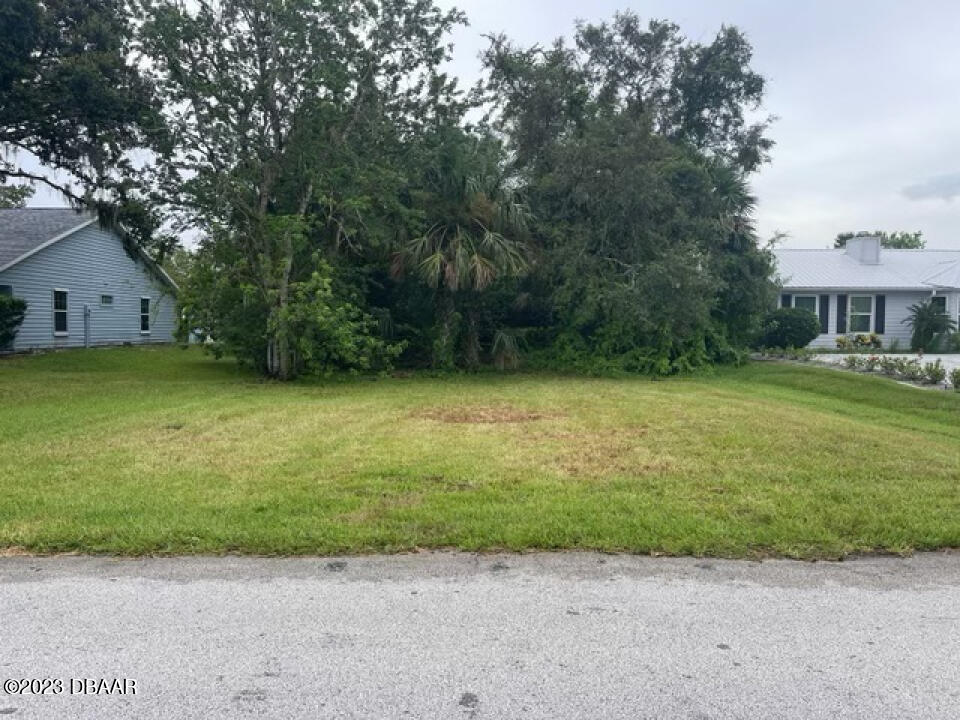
{"x": 437, "y": 635}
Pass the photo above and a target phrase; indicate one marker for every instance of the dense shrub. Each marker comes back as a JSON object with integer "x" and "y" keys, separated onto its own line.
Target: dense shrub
{"x": 12, "y": 312}
{"x": 789, "y": 327}
{"x": 955, "y": 379}
{"x": 928, "y": 325}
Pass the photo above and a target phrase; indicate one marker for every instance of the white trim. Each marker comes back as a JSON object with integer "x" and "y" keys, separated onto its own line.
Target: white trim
{"x": 850, "y": 314}
{"x": 65, "y": 311}
{"x": 47, "y": 244}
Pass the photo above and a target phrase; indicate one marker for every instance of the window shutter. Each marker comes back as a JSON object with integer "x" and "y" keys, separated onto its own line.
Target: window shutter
{"x": 841, "y": 314}
{"x": 824, "y": 314}
{"x": 786, "y": 300}
{"x": 880, "y": 315}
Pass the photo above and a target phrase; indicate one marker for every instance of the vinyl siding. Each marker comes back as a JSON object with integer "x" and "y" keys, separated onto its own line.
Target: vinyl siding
{"x": 89, "y": 263}
{"x": 898, "y": 304}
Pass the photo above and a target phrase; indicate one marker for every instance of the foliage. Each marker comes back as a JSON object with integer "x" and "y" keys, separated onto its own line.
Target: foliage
{"x": 597, "y": 221}
{"x": 15, "y": 196}
{"x": 927, "y": 322}
{"x": 909, "y": 370}
{"x": 289, "y": 121}
{"x": 635, "y": 148}
{"x": 73, "y": 94}
{"x": 861, "y": 342}
{"x": 789, "y": 327}
{"x": 871, "y": 363}
{"x": 888, "y": 366}
{"x": 854, "y": 362}
{"x": 12, "y": 312}
{"x": 867, "y": 341}
{"x": 328, "y": 334}
{"x": 934, "y": 373}
{"x": 893, "y": 241}
{"x": 475, "y": 235}
{"x": 955, "y": 379}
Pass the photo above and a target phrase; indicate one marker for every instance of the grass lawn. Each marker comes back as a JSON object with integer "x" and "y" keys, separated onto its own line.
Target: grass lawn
{"x": 168, "y": 451}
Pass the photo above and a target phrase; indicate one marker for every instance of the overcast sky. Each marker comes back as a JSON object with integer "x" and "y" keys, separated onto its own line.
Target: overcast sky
{"x": 867, "y": 92}
{"x": 868, "y": 96}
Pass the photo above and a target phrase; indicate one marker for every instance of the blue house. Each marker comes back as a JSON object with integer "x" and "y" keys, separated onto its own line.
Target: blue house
{"x": 84, "y": 285}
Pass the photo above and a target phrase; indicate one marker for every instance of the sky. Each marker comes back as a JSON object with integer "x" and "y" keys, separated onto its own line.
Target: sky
{"x": 867, "y": 94}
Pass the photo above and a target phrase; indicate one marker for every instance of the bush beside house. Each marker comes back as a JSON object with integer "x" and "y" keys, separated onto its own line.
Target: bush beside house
{"x": 789, "y": 328}
{"x": 12, "y": 312}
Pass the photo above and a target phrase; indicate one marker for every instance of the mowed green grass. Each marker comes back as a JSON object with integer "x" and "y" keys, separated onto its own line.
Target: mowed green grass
{"x": 168, "y": 451}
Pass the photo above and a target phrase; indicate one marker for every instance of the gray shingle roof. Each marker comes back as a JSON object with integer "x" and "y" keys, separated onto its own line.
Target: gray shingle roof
{"x": 24, "y": 230}
{"x": 897, "y": 270}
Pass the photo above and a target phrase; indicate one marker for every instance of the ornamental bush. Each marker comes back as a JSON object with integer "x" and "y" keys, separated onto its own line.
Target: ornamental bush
{"x": 888, "y": 366}
{"x": 12, "y": 312}
{"x": 955, "y": 379}
{"x": 853, "y": 362}
{"x": 789, "y": 327}
{"x": 934, "y": 373}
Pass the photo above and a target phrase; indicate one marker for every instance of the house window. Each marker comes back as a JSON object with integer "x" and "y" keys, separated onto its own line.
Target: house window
{"x": 940, "y": 303}
{"x": 861, "y": 314}
{"x": 6, "y": 290}
{"x": 60, "y": 326}
{"x": 106, "y": 300}
{"x": 805, "y": 302}
{"x": 145, "y": 315}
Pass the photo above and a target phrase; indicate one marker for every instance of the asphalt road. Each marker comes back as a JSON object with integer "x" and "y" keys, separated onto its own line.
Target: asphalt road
{"x": 503, "y": 636}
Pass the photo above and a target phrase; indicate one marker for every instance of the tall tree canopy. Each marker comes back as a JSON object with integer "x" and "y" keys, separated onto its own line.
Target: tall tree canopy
{"x": 289, "y": 118}
{"x": 73, "y": 96}
{"x": 634, "y": 147}
{"x": 15, "y": 196}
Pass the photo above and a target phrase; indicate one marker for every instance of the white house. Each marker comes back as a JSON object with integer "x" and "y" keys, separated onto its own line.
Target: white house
{"x": 84, "y": 285}
{"x": 865, "y": 288}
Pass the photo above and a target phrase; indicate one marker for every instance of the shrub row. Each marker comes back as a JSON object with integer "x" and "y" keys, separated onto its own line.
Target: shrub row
{"x": 910, "y": 370}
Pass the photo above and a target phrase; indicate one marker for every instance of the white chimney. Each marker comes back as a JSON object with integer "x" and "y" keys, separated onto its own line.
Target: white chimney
{"x": 865, "y": 250}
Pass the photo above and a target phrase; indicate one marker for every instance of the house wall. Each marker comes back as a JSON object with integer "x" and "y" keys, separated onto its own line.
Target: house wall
{"x": 89, "y": 263}
{"x": 897, "y": 311}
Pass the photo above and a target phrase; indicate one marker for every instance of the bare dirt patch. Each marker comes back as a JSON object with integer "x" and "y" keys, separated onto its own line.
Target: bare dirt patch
{"x": 601, "y": 453}
{"x": 482, "y": 414}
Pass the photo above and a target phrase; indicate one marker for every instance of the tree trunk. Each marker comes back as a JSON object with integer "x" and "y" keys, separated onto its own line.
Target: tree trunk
{"x": 443, "y": 346}
{"x": 285, "y": 369}
{"x": 472, "y": 349}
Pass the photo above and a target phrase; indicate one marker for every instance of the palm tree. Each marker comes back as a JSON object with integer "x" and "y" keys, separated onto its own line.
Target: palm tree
{"x": 927, "y": 322}
{"x": 475, "y": 236}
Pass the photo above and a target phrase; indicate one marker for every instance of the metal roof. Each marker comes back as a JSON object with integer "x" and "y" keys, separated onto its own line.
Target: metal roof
{"x": 897, "y": 270}
{"x": 24, "y": 231}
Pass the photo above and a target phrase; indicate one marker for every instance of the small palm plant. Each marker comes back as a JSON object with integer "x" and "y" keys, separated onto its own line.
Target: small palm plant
{"x": 475, "y": 236}
{"x": 927, "y": 322}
